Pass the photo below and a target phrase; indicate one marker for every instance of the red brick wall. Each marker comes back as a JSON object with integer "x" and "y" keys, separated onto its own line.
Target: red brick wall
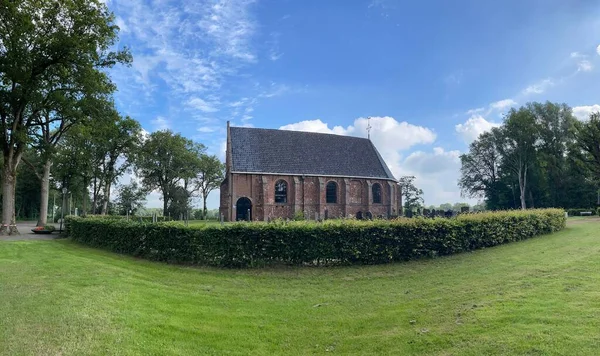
{"x": 307, "y": 195}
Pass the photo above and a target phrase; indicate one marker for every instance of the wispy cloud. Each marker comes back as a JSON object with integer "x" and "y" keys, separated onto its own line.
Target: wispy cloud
{"x": 202, "y": 105}
{"x": 192, "y": 58}
{"x": 161, "y": 123}
{"x": 502, "y": 104}
{"x": 230, "y": 26}
{"x": 475, "y": 111}
{"x": 539, "y": 87}
{"x": 273, "y": 43}
{"x": 584, "y": 66}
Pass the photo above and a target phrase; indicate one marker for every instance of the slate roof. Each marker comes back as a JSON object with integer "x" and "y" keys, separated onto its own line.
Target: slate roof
{"x": 305, "y": 153}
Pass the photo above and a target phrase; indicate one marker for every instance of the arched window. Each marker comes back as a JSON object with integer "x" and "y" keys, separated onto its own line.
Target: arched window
{"x": 331, "y": 193}
{"x": 376, "y": 193}
{"x": 281, "y": 191}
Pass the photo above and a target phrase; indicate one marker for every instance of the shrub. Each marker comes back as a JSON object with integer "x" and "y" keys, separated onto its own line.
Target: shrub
{"x": 299, "y": 216}
{"x": 331, "y": 242}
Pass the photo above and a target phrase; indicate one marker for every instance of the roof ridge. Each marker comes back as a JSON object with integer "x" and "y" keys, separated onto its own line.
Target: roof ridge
{"x": 299, "y": 131}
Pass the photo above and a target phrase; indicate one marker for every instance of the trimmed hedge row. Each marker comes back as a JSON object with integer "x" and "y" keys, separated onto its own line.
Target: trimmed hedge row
{"x": 295, "y": 243}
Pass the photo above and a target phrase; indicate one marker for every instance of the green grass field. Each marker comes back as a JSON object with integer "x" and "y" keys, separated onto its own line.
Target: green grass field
{"x": 536, "y": 297}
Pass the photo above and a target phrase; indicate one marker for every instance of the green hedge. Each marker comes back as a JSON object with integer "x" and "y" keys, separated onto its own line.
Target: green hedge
{"x": 577, "y": 212}
{"x": 295, "y": 243}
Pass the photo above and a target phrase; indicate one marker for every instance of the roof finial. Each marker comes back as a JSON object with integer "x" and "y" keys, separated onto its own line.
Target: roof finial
{"x": 369, "y": 127}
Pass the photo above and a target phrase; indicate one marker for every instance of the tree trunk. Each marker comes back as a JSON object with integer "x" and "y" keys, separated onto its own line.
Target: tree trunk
{"x": 522, "y": 188}
{"x": 85, "y": 197}
{"x": 44, "y": 194}
{"x": 204, "y": 211}
{"x": 532, "y": 204}
{"x": 165, "y": 205}
{"x": 9, "y": 181}
{"x": 95, "y": 201}
{"x": 106, "y": 199}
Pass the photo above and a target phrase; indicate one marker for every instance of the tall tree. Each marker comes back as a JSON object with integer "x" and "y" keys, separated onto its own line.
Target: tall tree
{"x": 519, "y": 137}
{"x": 165, "y": 161}
{"x": 588, "y": 145}
{"x": 412, "y": 196}
{"x": 211, "y": 172}
{"x": 555, "y": 123}
{"x": 46, "y": 47}
{"x": 121, "y": 137}
{"x": 131, "y": 198}
{"x": 480, "y": 168}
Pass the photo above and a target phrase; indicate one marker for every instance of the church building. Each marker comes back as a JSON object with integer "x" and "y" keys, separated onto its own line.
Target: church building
{"x": 274, "y": 174}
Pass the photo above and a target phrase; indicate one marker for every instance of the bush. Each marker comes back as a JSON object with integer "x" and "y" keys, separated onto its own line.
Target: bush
{"x": 299, "y": 216}
{"x": 577, "y": 212}
{"x": 332, "y": 242}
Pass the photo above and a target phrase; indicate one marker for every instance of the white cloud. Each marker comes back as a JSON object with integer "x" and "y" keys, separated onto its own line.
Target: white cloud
{"x": 437, "y": 173}
{"x": 539, "y": 87}
{"x": 229, "y": 25}
{"x": 576, "y": 55}
{"x": 584, "y": 66}
{"x": 475, "y": 111}
{"x": 161, "y": 123}
{"x": 503, "y": 104}
{"x": 237, "y": 103}
{"x": 202, "y": 105}
{"x": 598, "y": 50}
{"x": 583, "y": 112}
{"x": 122, "y": 25}
{"x": 473, "y": 127}
{"x": 206, "y": 129}
{"x": 275, "y": 55}
{"x": 275, "y": 90}
{"x": 314, "y": 126}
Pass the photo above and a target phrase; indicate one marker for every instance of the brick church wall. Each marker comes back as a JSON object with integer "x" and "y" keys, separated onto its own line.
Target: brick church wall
{"x": 307, "y": 195}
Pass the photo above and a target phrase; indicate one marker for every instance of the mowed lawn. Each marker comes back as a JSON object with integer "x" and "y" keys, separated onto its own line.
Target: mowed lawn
{"x": 536, "y": 297}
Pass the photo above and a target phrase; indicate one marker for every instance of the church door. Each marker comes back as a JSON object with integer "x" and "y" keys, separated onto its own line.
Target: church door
{"x": 243, "y": 209}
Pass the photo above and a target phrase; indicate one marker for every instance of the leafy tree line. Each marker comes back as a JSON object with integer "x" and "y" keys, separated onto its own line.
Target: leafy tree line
{"x": 57, "y": 116}
{"x": 541, "y": 156}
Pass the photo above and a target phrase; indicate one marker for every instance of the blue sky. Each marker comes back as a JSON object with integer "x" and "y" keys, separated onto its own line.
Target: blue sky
{"x": 431, "y": 74}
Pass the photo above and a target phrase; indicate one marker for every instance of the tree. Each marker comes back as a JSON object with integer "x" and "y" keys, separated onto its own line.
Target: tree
{"x": 131, "y": 198}
{"x": 519, "y": 138}
{"x": 120, "y": 137}
{"x": 588, "y": 145}
{"x": 412, "y": 196}
{"x": 47, "y": 47}
{"x": 211, "y": 173}
{"x": 165, "y": 160}
{"x": 480, "y": 167}
{"x": 446, "y": 206}
{"x": 179, "y": 203}
{"x": 555, "y": 124}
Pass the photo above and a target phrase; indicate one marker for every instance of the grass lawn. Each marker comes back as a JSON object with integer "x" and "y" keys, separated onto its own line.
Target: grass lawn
{"x": 536, "y": 297}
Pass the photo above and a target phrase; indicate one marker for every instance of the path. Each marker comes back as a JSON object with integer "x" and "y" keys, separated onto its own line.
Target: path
{"x": 26, "y": 234}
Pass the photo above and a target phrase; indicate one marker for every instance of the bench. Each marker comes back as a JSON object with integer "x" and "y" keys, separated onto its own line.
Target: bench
{"x": 585, "y": 213}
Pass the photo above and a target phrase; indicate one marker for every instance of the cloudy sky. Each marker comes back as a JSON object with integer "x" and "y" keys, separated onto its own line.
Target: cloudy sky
{"x": 433, "y": 75}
